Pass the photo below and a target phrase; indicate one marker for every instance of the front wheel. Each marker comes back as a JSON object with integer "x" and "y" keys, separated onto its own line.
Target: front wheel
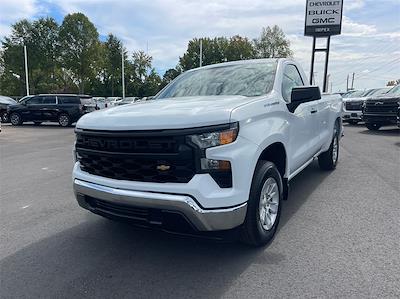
{"x": 373, "y": 127}
{"x": 264, "y": 205}
{"x": 15, "y": 119}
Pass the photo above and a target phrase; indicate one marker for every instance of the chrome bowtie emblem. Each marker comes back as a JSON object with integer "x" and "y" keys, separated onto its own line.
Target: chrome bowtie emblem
{"x": 163, "y": 167}
{"x": 379, "y": 103}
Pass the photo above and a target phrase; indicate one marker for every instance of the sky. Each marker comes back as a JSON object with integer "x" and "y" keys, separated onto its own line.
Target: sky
{"x": 369, "y": 45}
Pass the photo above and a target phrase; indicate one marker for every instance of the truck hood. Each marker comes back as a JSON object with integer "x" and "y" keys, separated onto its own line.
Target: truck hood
{"x": 386, "y": 98}
{"x": 355, "y": 99}
{"x": 176, "y": 113}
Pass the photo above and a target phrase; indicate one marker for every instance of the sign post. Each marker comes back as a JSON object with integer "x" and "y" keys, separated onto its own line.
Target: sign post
{"x": 323, "y": 19}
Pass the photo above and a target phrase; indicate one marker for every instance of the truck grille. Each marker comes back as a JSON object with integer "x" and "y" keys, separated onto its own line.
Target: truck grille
{"x": 354, "y": 106}
{"x": 381, "y": 107}
{"x": 134, "y": 157}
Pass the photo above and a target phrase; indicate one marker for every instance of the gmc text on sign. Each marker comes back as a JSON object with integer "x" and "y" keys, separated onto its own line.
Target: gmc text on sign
{"x": 323, "y": 18}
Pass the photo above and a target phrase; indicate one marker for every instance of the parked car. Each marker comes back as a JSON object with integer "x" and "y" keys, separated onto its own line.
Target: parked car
{"x": 113, "y": 101}
{"x": 382, "y": 110}
{"x": 62, "y": 108}
{"x": 128, "y": 100}
{"x": 214, "y": 150}
{"x": 352, "y": 104}
{"x": 4, "y": 103}
{"x": 101, "y": 102}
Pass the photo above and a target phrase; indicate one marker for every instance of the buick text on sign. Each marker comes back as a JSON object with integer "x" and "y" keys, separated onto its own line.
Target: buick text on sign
{"x": 323, "y": 18}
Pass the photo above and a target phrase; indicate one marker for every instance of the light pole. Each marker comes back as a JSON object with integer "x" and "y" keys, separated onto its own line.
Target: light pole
{"x": 123, "y": 73}
{"x": 26, "y": 71}
{"x": 201, "y": 52}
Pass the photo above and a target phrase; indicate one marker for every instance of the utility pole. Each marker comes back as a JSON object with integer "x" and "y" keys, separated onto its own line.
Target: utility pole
{"x": 347, "y": 84}
{"x": 123, "y": 72}
{"x": 352, "y": 81}
{"x": 201, "y": 52}
{"x": 26, "y": 71}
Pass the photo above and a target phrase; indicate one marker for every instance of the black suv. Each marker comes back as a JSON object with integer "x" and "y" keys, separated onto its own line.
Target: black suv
{"x": 383, "y": 110}
{"x": 62, "y": 108}
{"x": 4, "y": 103}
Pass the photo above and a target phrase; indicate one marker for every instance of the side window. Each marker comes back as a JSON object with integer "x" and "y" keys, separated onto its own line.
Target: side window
{"x": 68, "y": 100}
{"x": 49, "y": 100}
{"x": 35, "y": 101}
{"x": 291, "y": 78}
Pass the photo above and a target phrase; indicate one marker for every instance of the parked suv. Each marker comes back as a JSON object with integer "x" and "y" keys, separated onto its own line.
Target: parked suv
{"x": 4, "y": 103}
{"x": 62, "y": 108}
{"x": 383, "y": 110}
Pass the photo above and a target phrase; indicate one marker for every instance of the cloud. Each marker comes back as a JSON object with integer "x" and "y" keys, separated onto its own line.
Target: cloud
{"x": 12, "y": 11}
{"x": 371, "y": 31}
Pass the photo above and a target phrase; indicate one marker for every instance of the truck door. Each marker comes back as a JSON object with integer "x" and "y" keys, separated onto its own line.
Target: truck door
{"x": 303, "y": 132}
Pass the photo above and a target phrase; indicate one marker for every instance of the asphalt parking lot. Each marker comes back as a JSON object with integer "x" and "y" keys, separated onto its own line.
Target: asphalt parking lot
{"x": 339, "y": 234}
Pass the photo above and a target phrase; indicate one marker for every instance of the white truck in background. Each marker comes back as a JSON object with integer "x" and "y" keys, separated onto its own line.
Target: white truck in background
{"x": 215, "y": 150}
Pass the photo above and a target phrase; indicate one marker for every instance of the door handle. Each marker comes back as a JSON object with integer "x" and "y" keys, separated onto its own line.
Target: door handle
{"x": 314, "y": 111}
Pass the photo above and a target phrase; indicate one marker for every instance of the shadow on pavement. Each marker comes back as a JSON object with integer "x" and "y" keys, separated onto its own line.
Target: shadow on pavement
{"x": 100, "y": 258}
{"x": 383, "y": 132}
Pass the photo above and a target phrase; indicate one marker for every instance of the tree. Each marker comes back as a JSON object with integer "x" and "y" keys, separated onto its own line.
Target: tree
{"x": 393, "y": 82}
{"x": 80, "y": 48}
{"x": 170, "y": 75}
{"x": 40, "y": 38}
{"x": 272, "y": 43}
{"x": 216, "y": 50}
{"x": 112, "y": 64}
{"x": 239, "y": 48}
{"x": 143, "y": 80}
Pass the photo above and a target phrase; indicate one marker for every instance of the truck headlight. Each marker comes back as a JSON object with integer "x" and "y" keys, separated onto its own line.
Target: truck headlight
{"x": 212, "y": 139}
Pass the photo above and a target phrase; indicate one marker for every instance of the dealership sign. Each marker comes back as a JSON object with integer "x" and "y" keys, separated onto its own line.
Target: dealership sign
{"x": 323, "y": 17}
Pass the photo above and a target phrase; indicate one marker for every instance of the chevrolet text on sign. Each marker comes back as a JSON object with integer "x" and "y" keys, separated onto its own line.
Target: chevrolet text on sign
{"x": 323, "y": 18}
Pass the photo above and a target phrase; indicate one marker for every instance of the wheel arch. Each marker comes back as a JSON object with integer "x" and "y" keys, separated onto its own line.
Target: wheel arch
{"x": 275, "y": 153}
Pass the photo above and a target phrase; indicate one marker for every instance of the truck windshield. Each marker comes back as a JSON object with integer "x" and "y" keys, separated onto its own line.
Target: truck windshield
{"x": 395, "y": 90}
{"x": 250, "y": 79}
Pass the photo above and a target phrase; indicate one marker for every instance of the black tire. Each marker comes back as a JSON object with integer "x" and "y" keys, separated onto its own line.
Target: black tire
{"x": 353, "y": 122}
{"x": 373, "y": 127}
{"x": 64, "y": 120}
{"x": 15, "y": 119}
{"x": 252, "y": 231}
{"x": 4, "y": 117}
{"x": 328, "y": 160}
{"x": 37, "y": 123}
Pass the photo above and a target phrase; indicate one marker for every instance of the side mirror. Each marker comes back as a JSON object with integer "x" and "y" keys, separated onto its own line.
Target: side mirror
{"x": 302, "y": 95}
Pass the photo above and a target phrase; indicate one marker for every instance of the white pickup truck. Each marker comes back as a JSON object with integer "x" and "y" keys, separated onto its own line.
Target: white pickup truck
{"x": 214, "y": 151}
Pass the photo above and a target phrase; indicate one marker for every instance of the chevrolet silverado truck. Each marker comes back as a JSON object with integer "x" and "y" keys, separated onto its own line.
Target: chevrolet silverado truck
{"x": 383, "y": 110}
{"x": 353, "y": 102}
{"x": 214, "y": 151}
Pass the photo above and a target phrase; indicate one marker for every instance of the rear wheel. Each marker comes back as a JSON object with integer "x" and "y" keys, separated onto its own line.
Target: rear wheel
{"x": 328, "y": 160}
{"x": 64, "y": 120}
{"x": 264, "y": 205}
{"x": 373, "y": 127}
{"x": 4, "y": 117}
{"x": 15, "y": 119}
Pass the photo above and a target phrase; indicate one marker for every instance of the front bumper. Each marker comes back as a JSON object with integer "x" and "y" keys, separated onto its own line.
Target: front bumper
{"x": 202, "y": 219}
{"x": 381, "y": 118}
{"x": 352, "y": 115}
